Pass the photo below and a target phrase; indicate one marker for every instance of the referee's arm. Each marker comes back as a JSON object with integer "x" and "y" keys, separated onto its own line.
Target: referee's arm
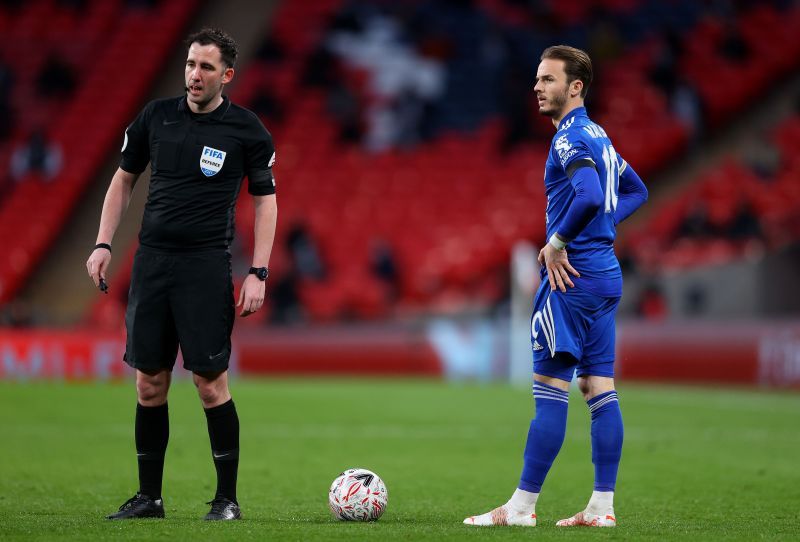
{"x": 252, "y": 294}
{"x": 117, "y": 199}
{"x": 266, "y": 208}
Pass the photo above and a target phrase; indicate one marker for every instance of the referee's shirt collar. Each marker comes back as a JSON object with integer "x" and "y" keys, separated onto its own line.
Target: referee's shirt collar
{"x": 215, "y": 115}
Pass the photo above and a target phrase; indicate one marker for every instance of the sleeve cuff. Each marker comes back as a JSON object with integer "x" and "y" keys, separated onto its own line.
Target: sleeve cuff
{"x": 557, "y": 243}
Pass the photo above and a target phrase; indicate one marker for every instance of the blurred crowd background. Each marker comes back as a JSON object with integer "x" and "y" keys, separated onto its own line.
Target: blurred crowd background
{"x": 410, "y": 154}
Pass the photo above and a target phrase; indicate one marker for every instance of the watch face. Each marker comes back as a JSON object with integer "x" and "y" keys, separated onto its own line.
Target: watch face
{"x": 262, "y": 274}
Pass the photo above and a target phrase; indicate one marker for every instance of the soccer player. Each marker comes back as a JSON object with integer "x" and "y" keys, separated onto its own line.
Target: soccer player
{"x": 200, "y": 146}
{"x": 590, "y": 189}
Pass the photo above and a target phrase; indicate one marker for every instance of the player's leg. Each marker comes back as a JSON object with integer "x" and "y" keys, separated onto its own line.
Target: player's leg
{"x": 553, "y": 339}
{"x": 204, "y": 324}
{"x": 596, "y": 382}
{"x": 151, "y": 348}
{"x": 545, "y": 438}
{"x": 547, "y": 429}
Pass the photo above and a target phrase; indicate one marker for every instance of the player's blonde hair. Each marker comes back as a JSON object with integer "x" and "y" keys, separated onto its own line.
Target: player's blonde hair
{"x": 577, "y": 64}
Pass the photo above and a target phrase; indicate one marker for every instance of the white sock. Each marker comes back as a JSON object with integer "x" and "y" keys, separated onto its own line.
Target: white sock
{"x": 523, "y": 502}
{"x": 601, "y": 503}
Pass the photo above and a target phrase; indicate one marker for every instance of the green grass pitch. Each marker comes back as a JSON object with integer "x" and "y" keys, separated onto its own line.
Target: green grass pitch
{"x": 698, "y": 464}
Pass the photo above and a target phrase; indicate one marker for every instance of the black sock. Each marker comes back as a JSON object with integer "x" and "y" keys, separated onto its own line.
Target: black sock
{"x": 223, "y": 430}
{"x": 152, "y": 435}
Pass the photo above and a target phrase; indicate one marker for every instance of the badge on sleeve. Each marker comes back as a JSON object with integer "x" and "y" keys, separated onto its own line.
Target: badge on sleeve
{"x": 211, "y": 161}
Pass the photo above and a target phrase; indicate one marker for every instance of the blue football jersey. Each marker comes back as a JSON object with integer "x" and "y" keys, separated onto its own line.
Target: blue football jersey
{"x": 591, "y": 253}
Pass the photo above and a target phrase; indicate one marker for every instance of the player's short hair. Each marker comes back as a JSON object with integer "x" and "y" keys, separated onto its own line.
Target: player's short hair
{"x": 577, "y": 64}
{"x": 214, "y": 36}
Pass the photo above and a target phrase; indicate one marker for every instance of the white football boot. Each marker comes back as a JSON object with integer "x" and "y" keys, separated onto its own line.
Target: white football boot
{"x": 587, "y": 519}
{"x": 503, "y": 515}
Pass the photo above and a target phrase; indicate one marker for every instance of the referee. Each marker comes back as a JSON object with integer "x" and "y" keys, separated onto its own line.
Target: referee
{"x": 200, "y": 146}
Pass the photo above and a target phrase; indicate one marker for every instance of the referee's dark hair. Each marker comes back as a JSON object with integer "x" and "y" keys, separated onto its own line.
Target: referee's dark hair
{"x": 577, "y": 64}
{"x": 214, "y": 36}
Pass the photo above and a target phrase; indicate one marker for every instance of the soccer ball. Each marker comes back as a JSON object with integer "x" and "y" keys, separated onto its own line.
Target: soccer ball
{"x": 358, "y": 495}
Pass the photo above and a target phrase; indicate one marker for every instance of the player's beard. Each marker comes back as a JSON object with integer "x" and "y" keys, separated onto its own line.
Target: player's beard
{"x": 557, "y": 103}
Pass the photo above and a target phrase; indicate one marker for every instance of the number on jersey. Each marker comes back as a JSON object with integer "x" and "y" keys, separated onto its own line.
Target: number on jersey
{"x": 612, "y": 177}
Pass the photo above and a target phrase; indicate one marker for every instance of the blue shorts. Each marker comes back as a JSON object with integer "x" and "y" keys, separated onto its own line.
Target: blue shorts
{"x": 573, "y": 330}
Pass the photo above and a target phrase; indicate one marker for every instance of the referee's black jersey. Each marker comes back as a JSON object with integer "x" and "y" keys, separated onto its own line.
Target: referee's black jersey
{"x": 197, "y": 164}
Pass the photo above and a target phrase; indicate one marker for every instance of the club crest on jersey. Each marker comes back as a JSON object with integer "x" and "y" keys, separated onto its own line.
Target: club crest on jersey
{"x": 211, "y": 161}
{"x": 564, "y": 149}
{"x": 562, "y": 144}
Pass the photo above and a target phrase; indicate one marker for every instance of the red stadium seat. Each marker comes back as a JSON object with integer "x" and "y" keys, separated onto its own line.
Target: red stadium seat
{"x": 84, "y": 136}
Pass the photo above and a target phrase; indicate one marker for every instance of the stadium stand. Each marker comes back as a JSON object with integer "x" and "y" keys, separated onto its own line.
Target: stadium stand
{"x": 728, "y": 212}
{"x": 729, "y": 62}
{"x": 443, "y": 209}
{"x": 451, "y": 207}
{"x": 99, "y": 42}
{"x": 449, "y": 204}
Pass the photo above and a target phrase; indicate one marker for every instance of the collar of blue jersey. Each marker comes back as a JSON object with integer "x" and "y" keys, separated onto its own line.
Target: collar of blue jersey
{"x": 215, "y": 115}
{"x": 572, "y": 114}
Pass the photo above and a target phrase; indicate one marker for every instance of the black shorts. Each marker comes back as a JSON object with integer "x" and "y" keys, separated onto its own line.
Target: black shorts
{"x": 181, "y": 299}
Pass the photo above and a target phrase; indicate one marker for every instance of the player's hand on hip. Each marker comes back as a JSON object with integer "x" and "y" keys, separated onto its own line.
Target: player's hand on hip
{"x": 97, "y": 264}
{"x": 558, "y": 267}
{"x": 251, "y": 297}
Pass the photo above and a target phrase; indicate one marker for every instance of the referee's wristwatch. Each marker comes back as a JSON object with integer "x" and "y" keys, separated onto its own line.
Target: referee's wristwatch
{"x": 261, "y": 272}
